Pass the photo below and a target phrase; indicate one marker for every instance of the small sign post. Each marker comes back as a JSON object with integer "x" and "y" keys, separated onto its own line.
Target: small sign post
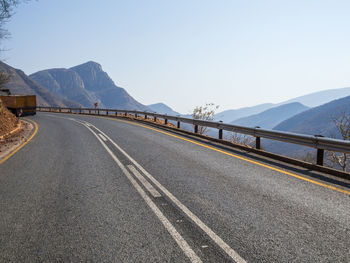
{"x": 95, "y": 104}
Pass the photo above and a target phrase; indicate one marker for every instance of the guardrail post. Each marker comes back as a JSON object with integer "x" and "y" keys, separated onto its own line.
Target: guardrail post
{"x": 258, "y": 143}
{"x": 98, "y": 112}
{"x": 106, "y": 112}
{"x": 320, "y": 156}
{"x": 220, "y": 133}
{"x": 155, "y": 119}
{"x": 79, "y": 111}
{"x": 146, "y": 117}
{"x": 59, "y": 110}
{"x": 70, "y": 110}
{"x": 126, "y": 114}
{"x": 116, "y": 113}
{"x": 178, "y": 124}
{"x": 320, "y": 153}
{"x": 196, "y": 128}
{"x": 257, "y": 140}
{"x": 165, "y": 121}
{"x": 89, "y": 111}
{"x": 135, "y": 115}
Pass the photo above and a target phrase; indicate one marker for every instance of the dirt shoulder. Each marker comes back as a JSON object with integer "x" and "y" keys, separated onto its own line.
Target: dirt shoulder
{"x": 8, "y": 121}
{"x": 14, "y": 140}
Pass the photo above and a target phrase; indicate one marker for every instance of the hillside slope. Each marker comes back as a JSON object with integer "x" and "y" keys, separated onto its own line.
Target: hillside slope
{"x": 66, "y": 84}
{"x": 231, "y": 115}
{"x": 321, "y": 97}
{"x": 310, "y": 100}
{"x": 21, "y": 84}
{"x": 87, "y": 83}
{"x": 271, "y": 117}
{"x": 8, "y": 121}
{"x": 162, "y": 108}
{"x": 317, "y": 120}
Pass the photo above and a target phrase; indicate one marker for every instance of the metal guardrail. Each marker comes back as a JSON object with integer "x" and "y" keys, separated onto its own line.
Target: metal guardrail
{"x": 317, "y": 141}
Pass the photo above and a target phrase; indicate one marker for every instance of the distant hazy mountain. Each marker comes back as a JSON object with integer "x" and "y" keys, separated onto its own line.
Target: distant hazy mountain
{"x": 271, "y": 117}
{"x": 310, "y": 100}
{"x": 162, "y": 109}
{"x": 87, "y": 83}
{"x": 318, "y": 98}
{"x": 317, "y": 120}
{"x": 231, "y": 115}
{"x": 314, "y": 121}
{"x": 21, "y": 84}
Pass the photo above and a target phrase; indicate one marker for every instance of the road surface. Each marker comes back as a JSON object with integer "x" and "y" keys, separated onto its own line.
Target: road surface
{"x": 94, "y": 189}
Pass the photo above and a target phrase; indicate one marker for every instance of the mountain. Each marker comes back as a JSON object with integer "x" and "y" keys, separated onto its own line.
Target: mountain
{"x": 317, "y": 120}
{"x": 321, "y": 97}
{"x": 271, "y": 117}
{"x": 231, "y": 115}
{"x": 314, "y": 121}
{"x": 21, "y": 84}
{"x": 310, "y": 100}
{"x": 161, "y": 108}
{"x": 66, "y": 84}
{"x": 87, "y": 83}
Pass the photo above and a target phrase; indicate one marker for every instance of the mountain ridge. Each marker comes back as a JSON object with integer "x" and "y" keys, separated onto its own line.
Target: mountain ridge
{"x": 21, "y": 84}
{"x": 311, "y": 100}
{"x": 162, "y": 108}
{"x": 271, "y": 117}
{"x": 87, "y": 83}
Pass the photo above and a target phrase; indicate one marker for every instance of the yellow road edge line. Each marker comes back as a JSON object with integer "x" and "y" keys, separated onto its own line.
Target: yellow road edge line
{"x": 20, "y": 147}
{"x": 238, "y": 157}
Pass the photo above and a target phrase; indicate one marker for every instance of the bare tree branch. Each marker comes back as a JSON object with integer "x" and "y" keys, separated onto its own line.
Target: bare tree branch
{"x": 342, "y": 122}
{"x": 206, "y": 113}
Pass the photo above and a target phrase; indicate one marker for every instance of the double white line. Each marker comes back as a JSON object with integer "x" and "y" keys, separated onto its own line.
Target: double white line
{"x": 103, "y": 138}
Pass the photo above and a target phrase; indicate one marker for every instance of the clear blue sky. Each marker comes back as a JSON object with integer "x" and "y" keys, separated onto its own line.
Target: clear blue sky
{"x": 188, "y": 52}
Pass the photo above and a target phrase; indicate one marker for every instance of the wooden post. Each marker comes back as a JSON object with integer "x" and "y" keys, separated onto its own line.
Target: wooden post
{"x": 178, "y": 124}
{"x": 196, "y": 128}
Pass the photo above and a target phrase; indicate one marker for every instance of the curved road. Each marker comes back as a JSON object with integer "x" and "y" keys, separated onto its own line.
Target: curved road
{"x": 95, "y": 189}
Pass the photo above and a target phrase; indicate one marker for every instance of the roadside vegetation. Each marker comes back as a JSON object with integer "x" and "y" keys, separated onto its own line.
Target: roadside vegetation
{"x": 335, "y": 159}
{"x": 205, "y": 113}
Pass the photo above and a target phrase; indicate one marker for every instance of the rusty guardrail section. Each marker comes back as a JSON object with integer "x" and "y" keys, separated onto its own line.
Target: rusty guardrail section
{"x": 317, "y": 141}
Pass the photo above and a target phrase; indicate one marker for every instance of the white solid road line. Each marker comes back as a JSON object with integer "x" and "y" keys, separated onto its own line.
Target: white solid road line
{"x": 169, "y": 227}
{"x": 102, "y": 137}
{"x": 145, "y": 183}
{"x": 218, "y": 240}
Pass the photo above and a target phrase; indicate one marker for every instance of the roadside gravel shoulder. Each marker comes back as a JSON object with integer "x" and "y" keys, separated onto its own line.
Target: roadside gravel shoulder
{"x": 10, "y": 143}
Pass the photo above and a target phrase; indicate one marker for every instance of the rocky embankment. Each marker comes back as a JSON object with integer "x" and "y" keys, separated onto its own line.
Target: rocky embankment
{"x": 8, "y": 121}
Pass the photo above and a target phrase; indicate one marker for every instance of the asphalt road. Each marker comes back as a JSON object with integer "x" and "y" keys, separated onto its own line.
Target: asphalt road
{"x": 104, "y": 190}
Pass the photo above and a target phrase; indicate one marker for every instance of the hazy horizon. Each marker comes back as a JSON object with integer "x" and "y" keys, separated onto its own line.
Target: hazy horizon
{"x": 186, "y": 53}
